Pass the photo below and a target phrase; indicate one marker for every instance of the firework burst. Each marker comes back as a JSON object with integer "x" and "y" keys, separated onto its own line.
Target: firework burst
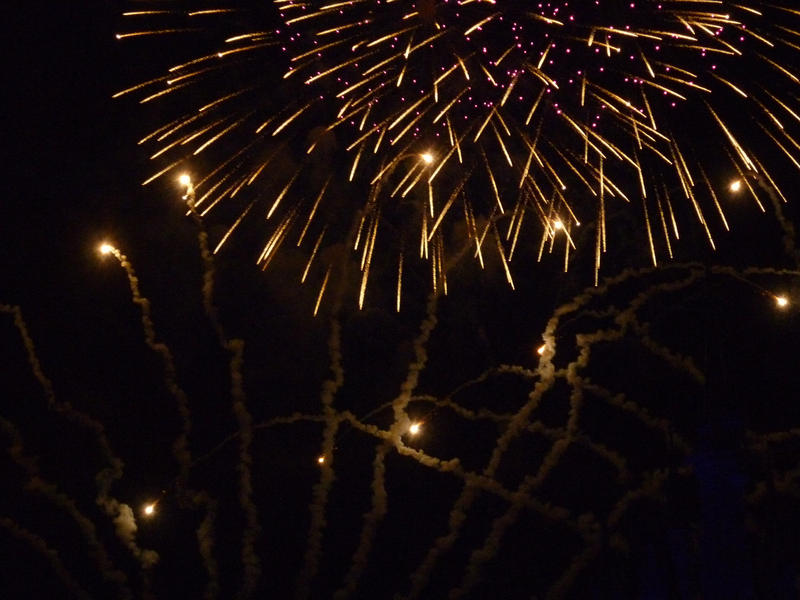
{"x": 439, "y": 128}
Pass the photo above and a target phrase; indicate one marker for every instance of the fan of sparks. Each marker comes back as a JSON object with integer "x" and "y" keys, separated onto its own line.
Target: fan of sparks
{"x": 439, "y": 128}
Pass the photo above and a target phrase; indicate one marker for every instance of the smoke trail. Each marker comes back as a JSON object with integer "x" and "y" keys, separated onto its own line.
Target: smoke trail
{"x": 398, "y": 429}
{"x": 126, "y": 527}
{"x": 499, "y": 526}
{"x": 624, "y": 320}
{"x": 414, "y": 369}
{"x": 547, "y": 376}
{"x": 106, "y": 477}
{"x": 789, "y": 238}
{"x": 235, "y": 347}
{"x": 205, "y": 542}
{"x": 322, "y": 488}
{"x": 209, "y": 269}
{"x": 250, "y": 560}
{"x": 371, "y": 521}
{"x": 442, "y": 544}
{"x": 50, "y": 491}
{"x": 51, "y": 555}
{"x": 560, "y": 588}
{"x": 180, "y": 447}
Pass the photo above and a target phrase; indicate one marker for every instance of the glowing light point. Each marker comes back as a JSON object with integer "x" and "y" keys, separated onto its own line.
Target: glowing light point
{"x": 735, "y": 185}
{"x": 781, "y": 301}
{"x": 427, "y": 158}
{"x": 540, "y": 349}
{"x": 106, "y": 248}
{"x": 185, "y": 180}
{"x": 150, "y": 510}
{"x": 321, "y": 460}
{"x": 558, "y": 224}
{"x": 414, "y": 428}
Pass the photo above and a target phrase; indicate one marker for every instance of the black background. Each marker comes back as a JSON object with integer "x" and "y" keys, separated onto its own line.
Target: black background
{"x": 73, "y": 174}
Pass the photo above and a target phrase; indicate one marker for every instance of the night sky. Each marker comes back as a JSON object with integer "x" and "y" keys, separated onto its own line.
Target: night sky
{"x": 651, "y": 452}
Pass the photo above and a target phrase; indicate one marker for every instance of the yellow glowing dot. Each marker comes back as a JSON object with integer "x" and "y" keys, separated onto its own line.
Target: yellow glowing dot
{"x": 427, "y": 158}
{"x": 185, "y": 179}
{"x": 106, "y": 248}
{"x": 150, "y": 509}
{"x": 414, "y": 429}
{"x": 735, "y": 185}
{"x": 321, "y": 460}
{"x": 558, "y": 224}
{"x": 540, "y": 349}
{"x": 782, "y": 301}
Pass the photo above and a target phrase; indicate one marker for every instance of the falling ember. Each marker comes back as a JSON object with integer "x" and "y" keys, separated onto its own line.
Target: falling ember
{"x": 150, "y": 509}
{"x": 540, "y": 349}
{"x": 415, "y": 428}
{"x": 185, "y": 179}
{"x": 735, "y": 186}
{"x": 781, "y": 301}
{"x": 427, "y": 158}
{"x": 321, "y": 460}
{"x": 106, "y": 248}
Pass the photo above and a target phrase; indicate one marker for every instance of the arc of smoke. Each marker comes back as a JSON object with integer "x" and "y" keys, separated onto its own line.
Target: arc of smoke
{"x": 250, "y": 560}
{"x": 322, "y": 488}
{"x": 51, "y": 555}
{"x": 625, "y": 320}
{"x": 209, "y": 269}
{"x": 180, "y": 447}
{"x": 478, "y": 481}
{"x": 51, "y": 492}
{"x": 547, "y": 376}
{"x": 448, "y": 402}
{"x": 235, "y": 347}
{"x": 205, "y": 541}
{"x": 621, "y": 402}
{"x": 551, "y": 459}
{"x": 106, "y": 477}
{"x": 372, "y": 519}
{"x": 787, "y": 226}
{"x": 379, "y": 508}
{"x": 295, "y": 417}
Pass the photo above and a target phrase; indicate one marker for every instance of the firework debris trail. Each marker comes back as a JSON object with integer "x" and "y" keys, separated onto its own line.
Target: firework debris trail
{"x": 399, "y": 427}
{"x": 51, "y": 555}
{"x": 520, "y": 422}
{"x": 322, "y": 488}
{"x": 235, "y": 347}
{"x": 180, "y": 447}
{"x": 119, "y": 512}
{"x": 36, "y": 483}
{"x": 625, "y": 321}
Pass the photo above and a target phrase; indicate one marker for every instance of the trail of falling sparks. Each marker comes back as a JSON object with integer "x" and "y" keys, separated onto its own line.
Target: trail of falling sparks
{"x": 601, "y": 106}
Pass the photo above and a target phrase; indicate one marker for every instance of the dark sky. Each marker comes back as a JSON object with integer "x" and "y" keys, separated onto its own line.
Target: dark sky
{"x": 643, "y": 465}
